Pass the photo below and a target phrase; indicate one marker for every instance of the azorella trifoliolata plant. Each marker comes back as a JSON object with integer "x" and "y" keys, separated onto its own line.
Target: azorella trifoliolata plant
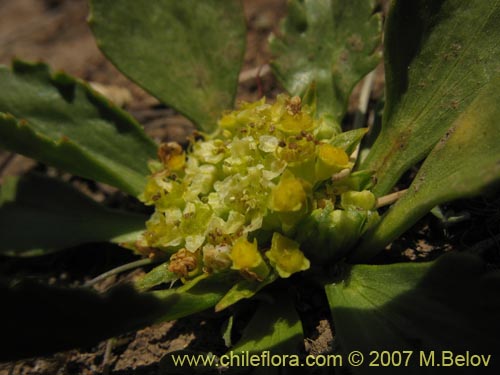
{"x": 270, "y": 192}
{"x": 258, "y": 195}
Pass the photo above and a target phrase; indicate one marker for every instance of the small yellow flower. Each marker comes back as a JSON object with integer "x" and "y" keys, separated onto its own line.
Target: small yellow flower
{"x": 330, "y": 160}
{"x": 293, "y": 119}
{"x": 332, "y": 156}
{"x": 289, "y": 195}
{"x": 247, "y": 259}
{"x": 286, "y": 257}
{"x": 228, "y": 121}
{"x": 295, "y": 123}
{"x": 152, "y": 192}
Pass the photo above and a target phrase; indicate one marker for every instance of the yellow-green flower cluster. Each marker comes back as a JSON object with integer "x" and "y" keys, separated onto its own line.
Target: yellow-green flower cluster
{"x": 235, "y": 199}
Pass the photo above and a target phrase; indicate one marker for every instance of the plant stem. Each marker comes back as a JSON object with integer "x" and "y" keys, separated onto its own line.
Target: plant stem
{"x": 390, "y": 198}
{"x": 117, "y": 270}
{"x": 340, "y": 175}
{"x": 107, "y": 355}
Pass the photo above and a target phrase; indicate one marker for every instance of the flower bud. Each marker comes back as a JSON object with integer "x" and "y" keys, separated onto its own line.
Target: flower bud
{"x": 364, "y": 200}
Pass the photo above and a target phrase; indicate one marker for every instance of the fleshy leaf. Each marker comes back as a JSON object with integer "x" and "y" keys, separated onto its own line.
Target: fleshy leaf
{"x": 62, "y": 122}
{"x": 186, "y": 53}
{"x": 465, "y": 162}
{"x": 447, "y": 305}
{"x": 438, "y": 56}
{"x": 275, "y": 327}
{"x": 39, "y": 214}
{"x": 329, "y": 43}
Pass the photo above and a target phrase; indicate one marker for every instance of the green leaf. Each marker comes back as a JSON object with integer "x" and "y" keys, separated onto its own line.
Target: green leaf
{"x": 450, "y": 304}
{"x": 242, "y": 290}
{"x": 63, "y": 122}
{"x": 438, "y": 56}
{"x": 38, "y": 319}
{"x": 275, "y": 327}
{"x": 329, "y": 43}
{"x": 195, "y": 296}
{"x": 157, "y": 276}
{"x": 39, "y": 214}
{"x": 464, "y": 163}
{"x": 349, "y": 140}
{"x": 186, "y": 53}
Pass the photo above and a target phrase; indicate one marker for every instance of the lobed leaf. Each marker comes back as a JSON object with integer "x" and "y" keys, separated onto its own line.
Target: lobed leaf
{"x": 408, "y": 306}
{"x": 39, "y": 215}
{"x": 438, "y": 56}
{"x": 61, "y": 121}
{"x": 465, "y": 162}
{"x": 328, "y": 43}
{"x": 186, "y": 53}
